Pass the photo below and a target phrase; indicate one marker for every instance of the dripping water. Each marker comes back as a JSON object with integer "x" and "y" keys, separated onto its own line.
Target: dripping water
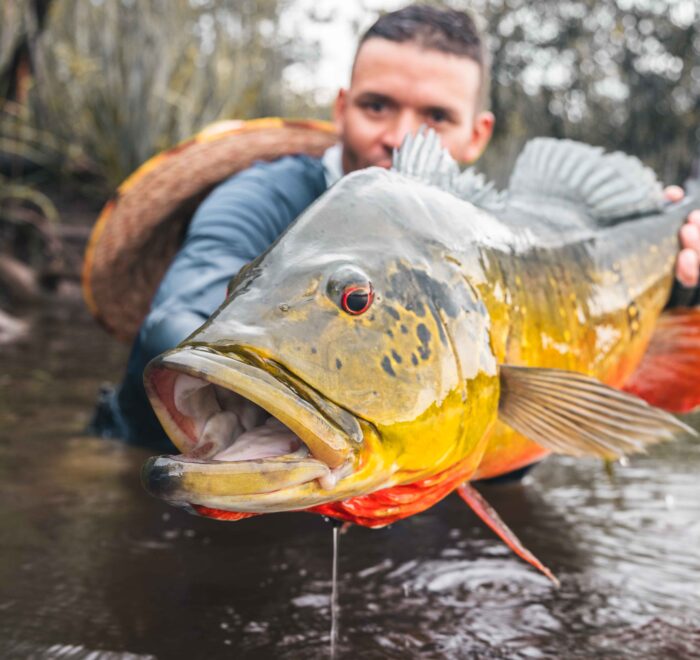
{"x": 334, "y": 588}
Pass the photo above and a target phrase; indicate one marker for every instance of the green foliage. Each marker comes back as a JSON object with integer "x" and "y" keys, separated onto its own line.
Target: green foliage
{"x": 624, "y": 74}
{"x": 116, "y": 81}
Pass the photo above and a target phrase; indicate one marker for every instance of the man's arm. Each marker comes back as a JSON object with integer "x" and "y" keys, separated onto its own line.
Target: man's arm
{"x": 235, "y": 223}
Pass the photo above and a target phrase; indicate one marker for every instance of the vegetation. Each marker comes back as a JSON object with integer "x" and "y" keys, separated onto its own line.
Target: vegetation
{"x": 89, "y": 89}
{"x": 624, "y": 74}
{"x": 114, "y": 82}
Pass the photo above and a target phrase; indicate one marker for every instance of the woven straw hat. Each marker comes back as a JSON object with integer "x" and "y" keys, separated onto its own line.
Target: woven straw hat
{"x": 141, "y": 228}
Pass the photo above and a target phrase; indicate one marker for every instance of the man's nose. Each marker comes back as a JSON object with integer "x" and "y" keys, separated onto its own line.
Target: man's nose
{"x": 403, "y": 124}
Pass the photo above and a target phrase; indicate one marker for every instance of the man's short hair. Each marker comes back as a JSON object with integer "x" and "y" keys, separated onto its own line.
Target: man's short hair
{"x": 445, "y": 30}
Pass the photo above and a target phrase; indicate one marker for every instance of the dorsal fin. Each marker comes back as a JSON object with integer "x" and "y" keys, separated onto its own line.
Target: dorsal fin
{"x": 477, "y": 189}
{"x": 607, "y": 187}
{"x": 423, "y": 157}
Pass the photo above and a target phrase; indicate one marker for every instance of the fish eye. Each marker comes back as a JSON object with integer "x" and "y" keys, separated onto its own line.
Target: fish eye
{"x": 351, "y": 290}
{"x": 356, "y": 299}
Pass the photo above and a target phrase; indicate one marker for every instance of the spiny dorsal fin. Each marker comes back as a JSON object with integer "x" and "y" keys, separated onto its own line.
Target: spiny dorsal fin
{"x": 574, "y": 414}
{"x": 423, "y": 157}
{"x": 475, "y": 188}
{"x": 608, "y": 187}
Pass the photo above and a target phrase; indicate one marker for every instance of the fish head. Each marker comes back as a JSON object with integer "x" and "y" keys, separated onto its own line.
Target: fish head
{"x": 353, "y": 355}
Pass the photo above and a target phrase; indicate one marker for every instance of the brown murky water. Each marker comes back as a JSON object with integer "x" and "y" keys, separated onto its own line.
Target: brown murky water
{"x": 91, "y": 567}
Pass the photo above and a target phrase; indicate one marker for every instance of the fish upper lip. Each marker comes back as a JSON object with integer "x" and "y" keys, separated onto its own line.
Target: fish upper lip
{"x": 331, "y": 434}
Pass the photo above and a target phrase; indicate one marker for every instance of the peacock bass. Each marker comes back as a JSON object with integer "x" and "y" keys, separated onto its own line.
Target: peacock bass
{"x": 415, "y": 330}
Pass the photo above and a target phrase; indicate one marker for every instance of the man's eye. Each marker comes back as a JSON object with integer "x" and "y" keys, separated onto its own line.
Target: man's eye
{"x": 374, "y": 106}
{"x": 437, "y": 116}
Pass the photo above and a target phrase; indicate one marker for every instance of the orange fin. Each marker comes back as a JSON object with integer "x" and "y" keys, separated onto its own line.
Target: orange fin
{"x": 219, "y": 514}
{"x": 488, "y": 515}
{"x": 667, "y": 376}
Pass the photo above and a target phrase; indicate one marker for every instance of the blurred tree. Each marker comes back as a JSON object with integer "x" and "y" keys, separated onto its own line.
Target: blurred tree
{"x": 624, "y": 74}
{"x": 20, "y": 23}
{"x": 116, "y": 81}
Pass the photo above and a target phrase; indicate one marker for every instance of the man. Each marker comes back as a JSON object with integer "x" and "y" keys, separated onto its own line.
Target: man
{"x": 415, "y": 66}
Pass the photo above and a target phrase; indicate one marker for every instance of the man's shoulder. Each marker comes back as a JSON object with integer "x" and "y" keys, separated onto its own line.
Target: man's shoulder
{"x": 274, "y": 190}
{"x": 297, "y": 169}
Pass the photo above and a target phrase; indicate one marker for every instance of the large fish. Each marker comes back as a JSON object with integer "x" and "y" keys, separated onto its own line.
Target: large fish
{"x": 415, "y": 330}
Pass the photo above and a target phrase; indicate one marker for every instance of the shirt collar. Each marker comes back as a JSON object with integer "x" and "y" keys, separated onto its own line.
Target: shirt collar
{"x": 332, "y": 161}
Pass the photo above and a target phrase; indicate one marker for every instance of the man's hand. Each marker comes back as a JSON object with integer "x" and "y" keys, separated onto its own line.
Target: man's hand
{"x": 686, "y": 291}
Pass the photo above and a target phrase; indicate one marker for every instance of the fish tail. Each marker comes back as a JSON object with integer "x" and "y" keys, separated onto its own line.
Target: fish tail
{"x": 667, "y": 376}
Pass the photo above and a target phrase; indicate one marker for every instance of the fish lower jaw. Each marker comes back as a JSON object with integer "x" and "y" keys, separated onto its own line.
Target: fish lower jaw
{"x": 230, "y": 445}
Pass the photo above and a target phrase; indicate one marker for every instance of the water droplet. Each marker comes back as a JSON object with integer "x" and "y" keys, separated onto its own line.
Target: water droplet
{"x": 334, "y": 591}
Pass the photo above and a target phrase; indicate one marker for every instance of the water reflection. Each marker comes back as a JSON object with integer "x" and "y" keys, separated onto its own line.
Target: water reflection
{"x": 90, "y": 564}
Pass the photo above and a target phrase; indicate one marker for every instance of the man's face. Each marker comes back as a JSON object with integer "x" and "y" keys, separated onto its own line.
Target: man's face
{"x": 395, "y": 88}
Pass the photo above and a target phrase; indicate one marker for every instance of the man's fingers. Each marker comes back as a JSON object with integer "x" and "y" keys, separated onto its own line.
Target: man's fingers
{"x": 690, "y": 236}
{"x": 686, "y": 289}
{"x": 688, "y": 267}
{"x": 674, "y": 193}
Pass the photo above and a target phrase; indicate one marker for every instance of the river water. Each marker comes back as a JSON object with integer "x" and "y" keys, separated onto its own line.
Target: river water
{"x": 92, "y": 567}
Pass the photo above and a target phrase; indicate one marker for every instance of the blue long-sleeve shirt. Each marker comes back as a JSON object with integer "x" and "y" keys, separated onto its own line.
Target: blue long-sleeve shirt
{"x": 237, "y": 221}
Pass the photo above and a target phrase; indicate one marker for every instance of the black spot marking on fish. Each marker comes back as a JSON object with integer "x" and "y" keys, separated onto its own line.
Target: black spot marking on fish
{"x": 390, "y": 333}
{"x": 451, "y": 297}
{"x": 414, "y": 359}
{"x": 386, "y": 365}
{"x": 313, "y": 350}
{"x": 439, "y": 321}
{"x": 420, "y": 292}
{"x": 393, "y": 313}
{"x": 338, "y": 363}
{"x": 424, "y": 336}
{"x": 404, "y": 329}
{"x": 396, "y": 356}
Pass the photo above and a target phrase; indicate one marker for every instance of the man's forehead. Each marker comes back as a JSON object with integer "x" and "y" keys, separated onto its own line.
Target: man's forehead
{"x": 380, "y": 60}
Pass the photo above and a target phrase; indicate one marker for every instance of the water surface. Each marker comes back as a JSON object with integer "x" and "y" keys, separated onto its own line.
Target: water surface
{"x": 91, "y": 566}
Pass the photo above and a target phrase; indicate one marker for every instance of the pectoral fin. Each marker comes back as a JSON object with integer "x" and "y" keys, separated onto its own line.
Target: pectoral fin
{"x": 570, "y": 413}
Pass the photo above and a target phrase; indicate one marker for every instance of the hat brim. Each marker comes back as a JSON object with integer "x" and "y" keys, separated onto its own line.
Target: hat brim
{"x": 141, "y": 228}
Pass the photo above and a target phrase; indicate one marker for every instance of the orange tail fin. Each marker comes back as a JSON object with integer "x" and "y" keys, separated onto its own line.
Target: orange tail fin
{"x": 669, "y": 374}
{"x": 488, "y": 515}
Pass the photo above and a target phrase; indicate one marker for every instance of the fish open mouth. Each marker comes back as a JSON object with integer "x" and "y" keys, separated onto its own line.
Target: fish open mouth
{"x": 246, "y": 427}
